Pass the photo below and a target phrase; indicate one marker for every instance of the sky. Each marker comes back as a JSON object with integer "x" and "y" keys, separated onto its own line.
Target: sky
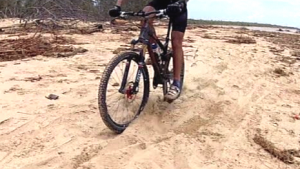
{"x": 280, "y": 12}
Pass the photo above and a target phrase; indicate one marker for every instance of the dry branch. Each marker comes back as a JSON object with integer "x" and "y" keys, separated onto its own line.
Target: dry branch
{"x": 14, "y": 49}
{"x": 284, "y": 155}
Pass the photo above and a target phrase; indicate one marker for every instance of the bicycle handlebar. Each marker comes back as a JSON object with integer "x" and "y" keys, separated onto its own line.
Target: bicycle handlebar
{"x": 158, "y": 13}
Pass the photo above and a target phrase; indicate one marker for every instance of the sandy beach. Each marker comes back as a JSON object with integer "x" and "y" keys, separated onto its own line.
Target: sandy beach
{"x": 239, "y": 85}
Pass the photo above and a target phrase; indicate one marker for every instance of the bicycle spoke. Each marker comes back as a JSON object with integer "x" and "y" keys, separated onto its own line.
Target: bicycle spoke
{"x": 123, "y": 72}
{"x": 127, "y": 112}
{"x": 136, "y": 104}
{"x": 114, "y": 101}
{"x": 112, "y": 94}
{"x": 115, "y": 82}
{"x": 118, "y": 74}
{"x": 117, "y": 107}
{"x": 113, "y": 86}
{"x": 132, "y": 74}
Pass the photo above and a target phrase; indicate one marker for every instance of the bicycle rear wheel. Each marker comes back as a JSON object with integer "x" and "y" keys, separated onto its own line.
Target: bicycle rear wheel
{"x": 119, "y": 103}
{"x": 168, "y": 71}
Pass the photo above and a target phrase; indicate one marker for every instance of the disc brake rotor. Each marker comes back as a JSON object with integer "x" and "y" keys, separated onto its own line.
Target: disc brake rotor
{"x": 129, "y": 95}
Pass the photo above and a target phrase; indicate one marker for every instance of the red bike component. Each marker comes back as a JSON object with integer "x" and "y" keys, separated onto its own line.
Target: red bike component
{"x": 129, "y": 93}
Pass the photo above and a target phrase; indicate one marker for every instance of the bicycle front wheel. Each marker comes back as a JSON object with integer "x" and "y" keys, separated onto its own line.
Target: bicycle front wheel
{"x": 120, "y": 98}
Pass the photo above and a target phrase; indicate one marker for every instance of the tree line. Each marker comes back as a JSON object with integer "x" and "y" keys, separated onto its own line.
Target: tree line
{"x": 57, "y": 9}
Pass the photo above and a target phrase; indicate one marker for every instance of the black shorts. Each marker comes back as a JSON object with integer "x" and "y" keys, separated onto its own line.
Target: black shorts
{"x": 179, "y": 22}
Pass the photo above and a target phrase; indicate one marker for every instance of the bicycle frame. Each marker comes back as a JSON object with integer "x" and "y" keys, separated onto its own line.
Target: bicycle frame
{"x": 144, "y": 38}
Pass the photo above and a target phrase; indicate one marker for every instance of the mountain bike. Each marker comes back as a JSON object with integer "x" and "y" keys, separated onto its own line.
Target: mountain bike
{"x": 131, "y": 86}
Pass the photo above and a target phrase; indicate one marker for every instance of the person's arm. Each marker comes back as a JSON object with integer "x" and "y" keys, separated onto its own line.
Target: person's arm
{"x": 185, "y": 1}
{"x": 115, "y": 11}
{"x": 120, "y": 2}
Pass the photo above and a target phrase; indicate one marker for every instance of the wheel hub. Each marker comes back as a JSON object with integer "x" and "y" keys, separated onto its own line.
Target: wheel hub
{"x": 129, "y": 94}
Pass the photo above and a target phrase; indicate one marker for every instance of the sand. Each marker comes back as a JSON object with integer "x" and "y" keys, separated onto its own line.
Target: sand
{"x": 230, "y": 93}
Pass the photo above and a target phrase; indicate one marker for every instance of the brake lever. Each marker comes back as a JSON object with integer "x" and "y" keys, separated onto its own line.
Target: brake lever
{"x": 162, "y": 14}
{"x": 122, "y": 15}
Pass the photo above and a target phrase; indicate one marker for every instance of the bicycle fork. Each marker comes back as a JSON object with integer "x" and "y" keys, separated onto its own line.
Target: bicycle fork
{"x": 135, "y": 88}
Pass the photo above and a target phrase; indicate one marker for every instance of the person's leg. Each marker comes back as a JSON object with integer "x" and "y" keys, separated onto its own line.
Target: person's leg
{"x": 150, "y": 21}
{"x": 150, "y": 8}
{"x": 179, "y": 27}
{"x": 178, "y": 59}
{"x": 177, "y": 40}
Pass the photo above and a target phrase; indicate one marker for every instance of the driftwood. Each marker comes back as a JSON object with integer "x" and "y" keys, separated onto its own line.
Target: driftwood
{"x": 87, "y": 30}
{"x": 286, "y": 156}
{"x": 50, "y": 26}
{"x": 14, "y": 49}
{"x": 242, "y": 40}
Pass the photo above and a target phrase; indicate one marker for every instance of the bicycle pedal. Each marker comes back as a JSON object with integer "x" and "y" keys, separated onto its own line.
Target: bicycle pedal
{"x": 155, "y": 85}
{"x": 155, "y": 82}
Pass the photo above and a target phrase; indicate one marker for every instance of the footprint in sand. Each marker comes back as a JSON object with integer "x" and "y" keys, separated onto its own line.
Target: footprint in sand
{"x": 16, "y": 88}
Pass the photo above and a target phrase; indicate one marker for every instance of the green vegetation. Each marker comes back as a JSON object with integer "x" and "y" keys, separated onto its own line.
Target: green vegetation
{"x": 233, "y": 23}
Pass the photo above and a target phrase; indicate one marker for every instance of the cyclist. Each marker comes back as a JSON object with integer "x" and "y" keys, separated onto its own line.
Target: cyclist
{"x": 177, "y": 11}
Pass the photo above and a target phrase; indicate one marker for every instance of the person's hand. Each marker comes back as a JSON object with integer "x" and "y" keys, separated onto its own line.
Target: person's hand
{"x": 115, "y": 12}
{"x": 175, "y": 8}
